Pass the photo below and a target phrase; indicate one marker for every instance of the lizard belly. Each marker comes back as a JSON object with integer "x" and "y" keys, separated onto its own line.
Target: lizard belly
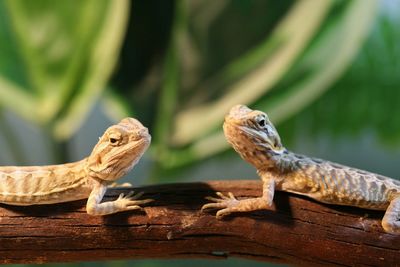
{"x": 41, "y": 199}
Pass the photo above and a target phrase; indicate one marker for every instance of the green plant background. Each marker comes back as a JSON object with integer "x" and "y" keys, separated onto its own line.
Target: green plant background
{"x": 327, "y": 72}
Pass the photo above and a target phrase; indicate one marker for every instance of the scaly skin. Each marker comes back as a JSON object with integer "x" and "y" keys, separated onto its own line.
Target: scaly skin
{"x": 117, "y": 151}
{"x": 255, "y": 138}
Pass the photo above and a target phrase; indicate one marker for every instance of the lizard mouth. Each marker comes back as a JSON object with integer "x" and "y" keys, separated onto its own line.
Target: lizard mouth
{"x": 262, "y": 139}
{"x": 133, "y": 150}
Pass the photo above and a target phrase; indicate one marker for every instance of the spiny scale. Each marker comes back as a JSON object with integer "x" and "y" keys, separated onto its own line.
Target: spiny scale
{"x": 337, "y": 184}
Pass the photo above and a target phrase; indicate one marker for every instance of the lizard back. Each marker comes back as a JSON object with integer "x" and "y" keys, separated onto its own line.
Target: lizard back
{"x": 29, "y": 185}
{"x": 333, "y": 183}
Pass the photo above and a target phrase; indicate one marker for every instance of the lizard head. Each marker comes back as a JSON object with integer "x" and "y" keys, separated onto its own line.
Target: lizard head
{"x": 118, "y": 150}
{"x": 252, "y": 135}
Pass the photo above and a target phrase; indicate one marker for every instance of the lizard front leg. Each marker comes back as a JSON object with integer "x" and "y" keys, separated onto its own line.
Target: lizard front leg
{"x": 229, "y": 204}
{"x": 122, "y": 203}
{"x": 391, "y": 220}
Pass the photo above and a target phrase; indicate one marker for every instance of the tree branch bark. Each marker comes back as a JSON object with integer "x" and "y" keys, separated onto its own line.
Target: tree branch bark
{"x": 296, "y": 230}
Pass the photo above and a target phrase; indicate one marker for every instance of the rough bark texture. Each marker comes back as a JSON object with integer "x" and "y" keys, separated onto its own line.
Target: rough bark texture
{"x": 297, "y": 230}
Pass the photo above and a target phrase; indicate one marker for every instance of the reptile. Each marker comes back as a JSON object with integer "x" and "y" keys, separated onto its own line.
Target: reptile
{"x": 115, "y": 154}
{"x": 257, "y": 141}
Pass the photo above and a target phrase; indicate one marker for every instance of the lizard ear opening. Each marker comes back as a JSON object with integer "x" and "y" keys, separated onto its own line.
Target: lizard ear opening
{"x": 95, "y": 165}
{"x": 99, "y": 161}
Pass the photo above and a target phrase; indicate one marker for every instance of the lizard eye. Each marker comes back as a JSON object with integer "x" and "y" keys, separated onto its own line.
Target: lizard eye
{"x": 114, "y": 139}
{"x": 261, "y": 120}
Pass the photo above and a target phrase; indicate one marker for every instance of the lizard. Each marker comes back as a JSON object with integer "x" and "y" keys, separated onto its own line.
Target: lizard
{"x": 115, "y": 154}
{"x": 254, "y": 137}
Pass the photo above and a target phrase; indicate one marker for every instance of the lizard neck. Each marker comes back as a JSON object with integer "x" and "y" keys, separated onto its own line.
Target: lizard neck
{"x": 286, "y": 161}
{"x": 267, "y": 160}
{"x": 264, "y": 160}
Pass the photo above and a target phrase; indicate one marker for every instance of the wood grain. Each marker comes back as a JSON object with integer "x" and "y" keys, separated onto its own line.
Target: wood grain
{"x": 296, "y": 230}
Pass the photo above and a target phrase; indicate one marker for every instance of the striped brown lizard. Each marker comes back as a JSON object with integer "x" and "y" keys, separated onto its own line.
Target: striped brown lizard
{"x": 115, "y": 154}
{"x": 255, "y": 138}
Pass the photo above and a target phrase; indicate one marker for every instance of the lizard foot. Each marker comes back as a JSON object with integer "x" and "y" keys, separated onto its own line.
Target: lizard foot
{"x": 229, "y": 204}
{"x": 223, "y": 202}
{"x": 130, "y": 201}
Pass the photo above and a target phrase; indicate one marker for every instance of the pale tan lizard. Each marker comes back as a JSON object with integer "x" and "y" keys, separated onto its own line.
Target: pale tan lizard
{"x": 255, "y": 138}
{"x": 117, "y": 151}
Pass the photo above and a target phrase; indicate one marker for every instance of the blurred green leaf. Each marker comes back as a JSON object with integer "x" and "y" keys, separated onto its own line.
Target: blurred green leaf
{"x": 325, "y": 61}
{"x": 366, "y": 98}
{"x": 313, "y": 73}
{"x": 58, "y": 58}
{"x": 268, "y": 62}
{"x": 115, "y": 107}
{"x": 170, "y": 85}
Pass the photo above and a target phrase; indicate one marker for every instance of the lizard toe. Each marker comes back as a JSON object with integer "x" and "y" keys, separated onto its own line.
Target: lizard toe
{"x": 219, "y": 205}
{"x": 222, "y": 213}
{"x": 133, "y": 196}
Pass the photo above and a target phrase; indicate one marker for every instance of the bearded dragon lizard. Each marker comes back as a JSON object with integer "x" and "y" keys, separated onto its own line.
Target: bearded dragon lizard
{"x": 117, "y": 151}
{"x": 254, "y": 137}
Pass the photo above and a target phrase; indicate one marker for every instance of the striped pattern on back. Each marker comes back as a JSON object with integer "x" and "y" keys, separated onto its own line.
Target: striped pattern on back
{"x": 338, "y": 184}
{"x": 41, "y": 184}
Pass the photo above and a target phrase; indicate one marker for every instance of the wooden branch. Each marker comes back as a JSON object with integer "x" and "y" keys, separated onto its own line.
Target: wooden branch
{"x": 297, "y": 230}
